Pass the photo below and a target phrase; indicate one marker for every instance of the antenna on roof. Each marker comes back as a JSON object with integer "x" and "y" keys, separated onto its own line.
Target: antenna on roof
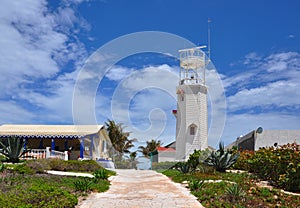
{"x": 208, "y": 34}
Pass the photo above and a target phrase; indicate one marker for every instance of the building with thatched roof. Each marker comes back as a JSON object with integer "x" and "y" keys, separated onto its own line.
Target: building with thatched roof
{"x": 81, "y": 141}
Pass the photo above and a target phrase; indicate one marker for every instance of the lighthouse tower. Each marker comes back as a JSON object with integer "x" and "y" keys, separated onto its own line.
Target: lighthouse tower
{"x": 191, "y": 114}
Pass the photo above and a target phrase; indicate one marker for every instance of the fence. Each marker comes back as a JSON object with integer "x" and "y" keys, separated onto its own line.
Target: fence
{"x": 45, "y": 153}
{"x": 35, "y": 154}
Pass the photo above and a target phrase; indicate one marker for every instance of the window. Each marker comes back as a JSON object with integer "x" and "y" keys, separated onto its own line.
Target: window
{"x": 192, "y": 130}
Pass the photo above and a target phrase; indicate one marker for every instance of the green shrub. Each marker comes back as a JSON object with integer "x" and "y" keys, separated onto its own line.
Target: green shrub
{"x": 2, "y": 158}
{"x": 2, "y": 167}
{"x": 39, "y": 166}
{"x": 197, "y": 157}
{"x": 196, "y": 185}
{"x": 57, "y": 164}
{"x": 23, "y": 169}
{"x": 183, "y": 167}
{"x": 221, "y": 159}
{"x": 74, "y": 165}
{"x": 162, "y": 165}
{"x": 101, "y": 174}
{"x": 203, "y": 168}
{"x": 36, "y": 191}
{"x": 241, "y": 163}
{"x": 280, "y": 165}
{"x": 83, "y": 184}
{"x": 234, "y": 193}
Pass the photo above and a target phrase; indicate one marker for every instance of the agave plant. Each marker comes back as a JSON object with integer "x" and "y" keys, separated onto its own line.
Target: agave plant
{"x": 196, "y": 185}
{"x": 221, "y": 159}
{"x": 13, "y": 150}
{"x": 183, "y": 167}
{"x": 234, "y": 192}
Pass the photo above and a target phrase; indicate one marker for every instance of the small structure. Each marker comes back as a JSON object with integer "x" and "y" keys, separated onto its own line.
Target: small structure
{"x": 165, "y": 154}
{"x": 265, "y": 138}
{"x": 81, "y": 141}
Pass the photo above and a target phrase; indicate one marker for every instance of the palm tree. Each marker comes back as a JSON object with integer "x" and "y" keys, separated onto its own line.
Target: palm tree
{"x": 151, "y": 146}
{"x": 133, "y": 159}
{"x": 119, "y": 138}
{"x": 132, "y": 156}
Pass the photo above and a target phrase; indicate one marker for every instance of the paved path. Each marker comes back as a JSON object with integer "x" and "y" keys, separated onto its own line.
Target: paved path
{"x": 141, "y": 189}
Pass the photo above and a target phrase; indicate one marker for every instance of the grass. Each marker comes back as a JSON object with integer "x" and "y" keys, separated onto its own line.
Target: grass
{"x": 243, "y": 192}
{"x": 26, "y": 185}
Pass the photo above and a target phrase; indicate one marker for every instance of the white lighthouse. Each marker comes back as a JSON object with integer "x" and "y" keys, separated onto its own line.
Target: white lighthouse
{"x": 191, "y": 114}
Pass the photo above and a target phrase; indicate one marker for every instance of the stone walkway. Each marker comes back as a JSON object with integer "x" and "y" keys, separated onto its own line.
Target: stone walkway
{"x": 141, "y": 189}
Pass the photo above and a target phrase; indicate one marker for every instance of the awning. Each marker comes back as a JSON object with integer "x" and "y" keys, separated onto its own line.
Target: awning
{"x": 48, "y": 131}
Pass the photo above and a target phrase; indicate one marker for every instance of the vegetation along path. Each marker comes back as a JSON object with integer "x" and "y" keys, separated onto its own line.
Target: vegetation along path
{"x": 141, "y": 188}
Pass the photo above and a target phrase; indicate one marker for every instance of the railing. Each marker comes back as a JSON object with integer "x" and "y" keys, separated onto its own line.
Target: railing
{"x": 45, "y": 153}
{"x": 59, "y": 155}
{"x": 35, "y": 154}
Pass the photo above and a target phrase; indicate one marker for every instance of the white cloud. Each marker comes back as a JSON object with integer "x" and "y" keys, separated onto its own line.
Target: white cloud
{"x": 251, "y": 58}
{"x": 142, "y": 100}
{"x": 35, "y": 45}
{"x": 241, "y": 124}
{"x": 274, "y": 83}
{"x": 12, "y": 112}
{"x": 266, "y": 95}
{"x": 117, "y": 73}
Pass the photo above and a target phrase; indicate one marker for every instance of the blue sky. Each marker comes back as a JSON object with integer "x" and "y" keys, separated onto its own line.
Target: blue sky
{"x": 255, "y": 48}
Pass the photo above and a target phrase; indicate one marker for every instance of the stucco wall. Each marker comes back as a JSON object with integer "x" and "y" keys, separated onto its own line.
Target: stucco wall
{"x": 268, "y": 137}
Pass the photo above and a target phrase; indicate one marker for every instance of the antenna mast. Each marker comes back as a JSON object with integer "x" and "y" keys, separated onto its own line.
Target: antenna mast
{"x": 208, "y": 34}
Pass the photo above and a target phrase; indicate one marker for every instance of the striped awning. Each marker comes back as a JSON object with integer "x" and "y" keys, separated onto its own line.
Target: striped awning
{"x": 49, "y": 131}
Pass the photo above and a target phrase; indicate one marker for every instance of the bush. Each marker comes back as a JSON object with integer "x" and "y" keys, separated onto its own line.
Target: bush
{"x": 280, "y": 165}
{"x": 183, "y": 167}
{"x": 83, "y": 184}
{"x": 234, "y": 193}
{"x": 197, "y": 157}
{"x": 221, "y": 159}
{"x": 36, "y": 191}
{"x": 2, "y": 168}
{"x": 196, "y": 185}
{"x": 162, "y": 165}
{"x": 38, "y": 166}
{"x": 23, "y": 169}
{"x": 101, "y": 174}
{"x": 202, "y": 168}
{"x": 241, "y": 163}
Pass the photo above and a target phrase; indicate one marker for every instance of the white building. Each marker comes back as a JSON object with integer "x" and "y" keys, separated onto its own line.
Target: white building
{"x": 266, "y": 138}
{"x": 191, "y": 113}
{"x": 86, "y": 141}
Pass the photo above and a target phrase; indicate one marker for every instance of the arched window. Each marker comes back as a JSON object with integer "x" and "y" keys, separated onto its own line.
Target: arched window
{"x": 193, "y": 129}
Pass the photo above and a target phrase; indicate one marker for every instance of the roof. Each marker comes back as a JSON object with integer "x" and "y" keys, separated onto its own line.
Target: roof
{"x": 164, "y": 149}
{"x": 49, "y": 130}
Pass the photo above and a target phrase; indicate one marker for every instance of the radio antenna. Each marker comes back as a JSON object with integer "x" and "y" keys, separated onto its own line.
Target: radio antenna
{"x": 208, "y": 34}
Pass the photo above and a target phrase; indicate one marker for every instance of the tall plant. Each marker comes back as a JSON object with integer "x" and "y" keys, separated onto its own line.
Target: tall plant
{"x": 13, "y": 150}
{"x": 151, "y": 146}
{"x": 221, "y": 159}
{"x": 119, "y": 138}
